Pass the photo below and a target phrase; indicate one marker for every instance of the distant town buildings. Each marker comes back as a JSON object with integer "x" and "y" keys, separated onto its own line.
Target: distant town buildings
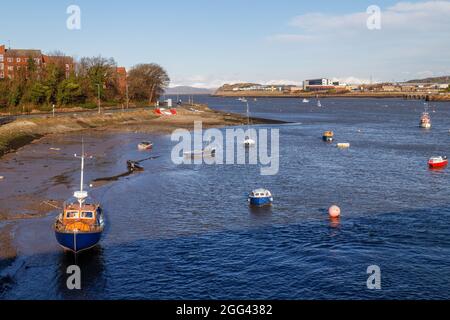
{"x": 320, "y": 84}
{"x": 324, "y": 85}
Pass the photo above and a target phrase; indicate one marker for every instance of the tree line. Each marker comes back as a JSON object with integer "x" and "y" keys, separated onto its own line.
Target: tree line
{"x": 41, "y": 87}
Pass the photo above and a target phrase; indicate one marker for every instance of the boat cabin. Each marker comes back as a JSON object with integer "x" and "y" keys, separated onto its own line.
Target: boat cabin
{"x": 260, "y": 193}
{"x": 83, "y": 218}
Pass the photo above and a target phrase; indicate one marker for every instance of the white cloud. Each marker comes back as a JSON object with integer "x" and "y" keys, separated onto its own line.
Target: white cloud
{"x": 404, "y": 18}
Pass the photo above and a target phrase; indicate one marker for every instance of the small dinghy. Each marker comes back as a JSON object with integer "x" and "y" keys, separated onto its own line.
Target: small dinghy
{"x": 197, "y": 154}
{"x": 249, "y": 142}
{"x": 260, "y": 197}
{"x": 328, "y": 136}
{"x": 145, "y": 146}
{"x": 343, "y": 145}
{"x": 133, "y": 166}
{"x": 437, "y": 162}
{"x": 305, "y": 100}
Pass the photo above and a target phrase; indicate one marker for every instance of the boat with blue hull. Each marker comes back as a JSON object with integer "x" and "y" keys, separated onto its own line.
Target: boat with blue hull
{"x": 77, "y": 242}
{"x": 80, "y": 226}
{"x": 260, "y": 197}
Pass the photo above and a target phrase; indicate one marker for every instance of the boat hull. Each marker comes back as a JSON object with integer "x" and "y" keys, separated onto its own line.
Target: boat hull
{"x": 327, "y": 139}
{"x": 438, "y": 165}
{"x": 259, "y": 202}
{"x": 78, "y": 241}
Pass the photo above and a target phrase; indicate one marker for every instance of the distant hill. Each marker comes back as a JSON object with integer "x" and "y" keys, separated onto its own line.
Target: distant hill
{"x": 188, "y": 90}
{"x": 445, "y": 79}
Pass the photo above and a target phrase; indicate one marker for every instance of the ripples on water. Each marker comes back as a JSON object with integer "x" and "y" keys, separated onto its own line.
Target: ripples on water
{"x": 187, "y": 233}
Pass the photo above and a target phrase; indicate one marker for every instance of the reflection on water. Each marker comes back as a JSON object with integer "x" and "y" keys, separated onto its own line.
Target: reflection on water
{"x": 93, "y": 279}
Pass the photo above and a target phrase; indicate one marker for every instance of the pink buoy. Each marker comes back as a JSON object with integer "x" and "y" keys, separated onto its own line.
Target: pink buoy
{"x": 334, "y": 212}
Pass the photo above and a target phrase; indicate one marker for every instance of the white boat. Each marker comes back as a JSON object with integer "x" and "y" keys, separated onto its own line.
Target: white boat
{"x": 249, "y": 142}
{"x": 145, "y": 146}
{"x": 305, "y": 100}
{"x": 319, "y": 104}
{"x": 197, "y": 154}
{"x": 242, "y": 99}
{"x": 343, "y": 145}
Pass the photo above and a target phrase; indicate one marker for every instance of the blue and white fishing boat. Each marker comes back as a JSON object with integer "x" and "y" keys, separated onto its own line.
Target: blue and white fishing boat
{"x": 260, "y": 197}
{"x": 80, "y": 226}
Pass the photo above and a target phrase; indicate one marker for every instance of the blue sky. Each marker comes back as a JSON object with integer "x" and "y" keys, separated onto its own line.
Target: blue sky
{"x": 207, "y": 43}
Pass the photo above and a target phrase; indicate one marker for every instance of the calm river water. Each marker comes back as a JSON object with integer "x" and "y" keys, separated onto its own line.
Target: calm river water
{"x": 186, "y": 232}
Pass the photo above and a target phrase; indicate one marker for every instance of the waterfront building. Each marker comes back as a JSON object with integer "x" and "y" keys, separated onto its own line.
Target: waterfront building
{"x": 13, "y": 61}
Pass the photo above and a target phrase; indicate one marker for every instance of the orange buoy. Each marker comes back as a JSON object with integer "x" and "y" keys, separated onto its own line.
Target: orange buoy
{"x": 334, "y": 212}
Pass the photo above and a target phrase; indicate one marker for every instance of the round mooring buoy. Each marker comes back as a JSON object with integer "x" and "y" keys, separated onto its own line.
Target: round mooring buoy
{"x": 334, "y": 212}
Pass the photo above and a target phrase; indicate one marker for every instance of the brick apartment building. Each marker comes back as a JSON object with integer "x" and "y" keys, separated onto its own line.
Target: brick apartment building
{"x": 13, "y": 61}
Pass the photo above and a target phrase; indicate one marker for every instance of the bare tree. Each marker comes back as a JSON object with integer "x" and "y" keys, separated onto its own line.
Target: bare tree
{"x": 147, "y": 82}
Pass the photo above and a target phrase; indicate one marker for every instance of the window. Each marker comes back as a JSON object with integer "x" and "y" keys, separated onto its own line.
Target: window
{"x": 2, "y": 66}
{"x": 67, "y": 67}
{"x": 10, "y": 68}
{"x": 18, "y": 59}
{"x": 1, "y": 58}
{"x": 10, "y": 60}
{"x": 87, "y": 215}
{"x": 2, "y": 75}
{"x": 37, "y": 61}
{"x": 72, "y": 215}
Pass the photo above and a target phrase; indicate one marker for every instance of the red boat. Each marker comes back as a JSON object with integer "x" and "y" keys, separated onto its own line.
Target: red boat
{"x": 437, "y": 162}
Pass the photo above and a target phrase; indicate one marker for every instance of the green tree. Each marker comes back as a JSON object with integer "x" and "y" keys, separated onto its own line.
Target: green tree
{"x": 53, "y": 76}
{"x": 70, "y": 91}
{"x": 4, "y": 92}
{"x": 38, "y": 93}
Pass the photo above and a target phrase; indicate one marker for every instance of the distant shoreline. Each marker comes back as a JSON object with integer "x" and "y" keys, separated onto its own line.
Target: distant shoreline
{"x": 384, "y": 95}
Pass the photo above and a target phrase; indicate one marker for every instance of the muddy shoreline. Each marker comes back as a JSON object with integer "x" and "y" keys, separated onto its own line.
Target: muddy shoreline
{"x": 38, "y": 172}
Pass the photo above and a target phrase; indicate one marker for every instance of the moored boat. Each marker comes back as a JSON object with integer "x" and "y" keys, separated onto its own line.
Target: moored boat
{"x": 249, "y": 142}
{"x": 197, "y": 154}
{"x": 425, "y": 119}
{"x": 328, "y": 136}
{"x": 305, "y": 100}
{"x": 80, "y": 226}
{"x": 344, "y": 145}
{"x": 260, "y": 197}
{"x": 145, "y": 145}
{"x": 437, "y": 162}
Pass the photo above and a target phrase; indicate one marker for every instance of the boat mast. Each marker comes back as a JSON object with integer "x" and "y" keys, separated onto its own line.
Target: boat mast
{"x": 81, "y": 195}
{"x": 82, "y": 166}
{"x": 248, "y": 115}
